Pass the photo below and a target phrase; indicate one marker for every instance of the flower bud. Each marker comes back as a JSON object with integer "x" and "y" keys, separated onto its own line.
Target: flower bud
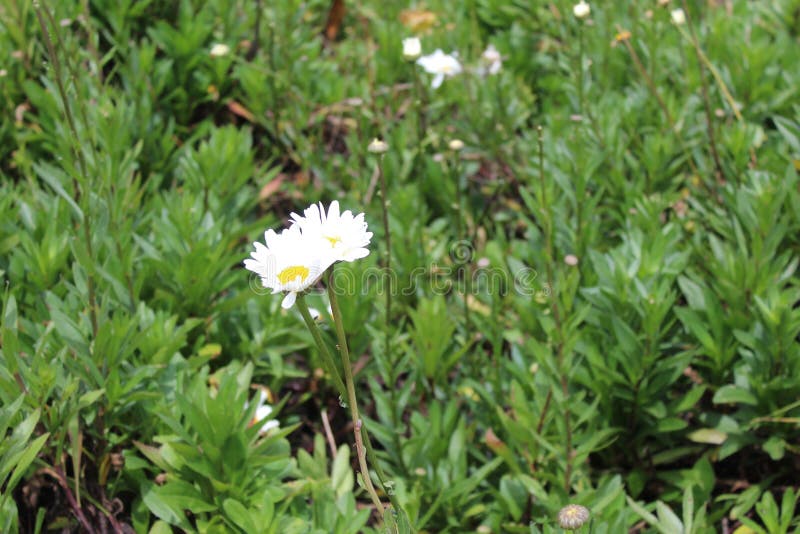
{"x": 412, "y": 48}
{"x": 573, "y": 516}
{"x": 456, "y": 145}
{"x": 678, "y": 16}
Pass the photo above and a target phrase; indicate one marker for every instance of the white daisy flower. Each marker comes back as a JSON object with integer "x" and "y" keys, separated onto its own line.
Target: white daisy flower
{"x": 581, "y": 10}
{"x": 290, "y": 262}
{"x": 491, "y": 61}
{"x": 441, "y": 65}
{"x": 219, "y": 50}
{"x": 377, "y": 147}
{"x": 342, "y": 236}
{"x": 455, "y": 145}
{"x": 412, "y": 48}
{"x": 263, "y": 411}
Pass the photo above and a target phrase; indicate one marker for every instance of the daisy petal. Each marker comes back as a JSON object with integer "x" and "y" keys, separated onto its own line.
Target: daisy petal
{"x": 288, "y": 300}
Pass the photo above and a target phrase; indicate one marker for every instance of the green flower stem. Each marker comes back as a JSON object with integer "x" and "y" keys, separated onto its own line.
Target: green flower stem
{"x": 351, "y": 395}
{"x": 81, "y": 195}
{"x": 388, "y": 264}
{"x": 342, "y": 389}
{"x": 547, "y": 216}
{"x": 461, "y": 233}
{"x": 389, "y": 289}
{"x": 421, "y": 132}
{"x": 712, "y": 143}
{"x": 580, "y": 69}
{"x": 419, "y": 95}
{"x": 327, "y": 357}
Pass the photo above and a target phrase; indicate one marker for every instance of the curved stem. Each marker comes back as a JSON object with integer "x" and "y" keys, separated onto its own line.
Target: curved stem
{"x": 342, "y": 389}
{"x": 327, "y": 357}
{"x": 351, "y": 395}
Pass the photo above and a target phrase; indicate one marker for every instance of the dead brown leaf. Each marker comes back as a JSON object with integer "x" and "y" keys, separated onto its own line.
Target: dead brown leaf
{"x": 271, "y": 187}
{"x": 241, "y": 111}
{"x": 335, "y": 18}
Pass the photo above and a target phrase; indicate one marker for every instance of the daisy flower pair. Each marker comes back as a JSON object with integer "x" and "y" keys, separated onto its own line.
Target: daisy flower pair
{"x": 295, "y": 259}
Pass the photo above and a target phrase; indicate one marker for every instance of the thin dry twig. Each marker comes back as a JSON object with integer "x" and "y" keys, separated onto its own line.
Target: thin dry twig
{"x": 328, "y": 432}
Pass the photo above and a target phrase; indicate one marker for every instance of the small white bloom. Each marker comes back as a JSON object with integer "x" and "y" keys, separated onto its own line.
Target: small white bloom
{"x": 263, "y": 411}
{"x": 290, "y": 262}
{"x": 412, "y": 48}
{"x": 219, "y": 50}
{"x": 441, "y": 65}
{"x": 491, "y": 61}
{"x": 342, "y": 236}
{"x": 678, "y": 16}
{"x": 377, "y": 146}
{"x": 455, "y": 145}
{"x": 581, "y": 10}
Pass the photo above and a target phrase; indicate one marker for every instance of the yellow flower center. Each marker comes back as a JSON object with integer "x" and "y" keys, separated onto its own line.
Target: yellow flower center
{"x": 334, "y": 240}
{"x": 289, "y": 274}
{"x": 447, "y": 69}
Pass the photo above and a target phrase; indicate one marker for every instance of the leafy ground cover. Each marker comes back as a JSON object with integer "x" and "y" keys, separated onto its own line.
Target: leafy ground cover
{"x": 581, "y": 289}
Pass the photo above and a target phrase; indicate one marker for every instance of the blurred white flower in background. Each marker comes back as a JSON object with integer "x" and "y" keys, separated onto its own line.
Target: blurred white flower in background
{"x": 491, "y": 61}
{"x": 263, "y": 411}
{"x": 441, "y": 65}
{"x": 219, "y": 50}
{"x": 678, "y": 16}
{"x": 376, "y": 146}
{"x": 455, "y": 145}
{"x": 412, "y": 48}
{"x": 581, "y": 10}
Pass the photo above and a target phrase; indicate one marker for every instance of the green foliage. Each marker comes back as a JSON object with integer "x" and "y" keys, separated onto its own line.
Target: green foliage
{"x": 17, "y": 453}
{"x": 216, "y": 465}
{"x": 615, "y": 324}
{"x": 432, "y": 336}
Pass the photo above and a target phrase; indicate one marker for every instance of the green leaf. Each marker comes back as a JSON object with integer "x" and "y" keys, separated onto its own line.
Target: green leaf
{"x": 711, "y": 436}
{"x": 239, "y": 515}
{"x": 649, "y": 518}
{"x": 88, "y": 399}
{"x": 688, "y": 510}
{"x": 671, "y": 424}
{"x": 668, "y": 519}
{"x": 775, "y": 447}
{"x": 24, "y": 460}
{"x": 160, "y": 527}
{"x": 168, "y": 502}
{"x": 731, "y": 394}
{"x": 341, "y": 473}
{"x": 54, "y": 177}
{"x": 212, "y": 350}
